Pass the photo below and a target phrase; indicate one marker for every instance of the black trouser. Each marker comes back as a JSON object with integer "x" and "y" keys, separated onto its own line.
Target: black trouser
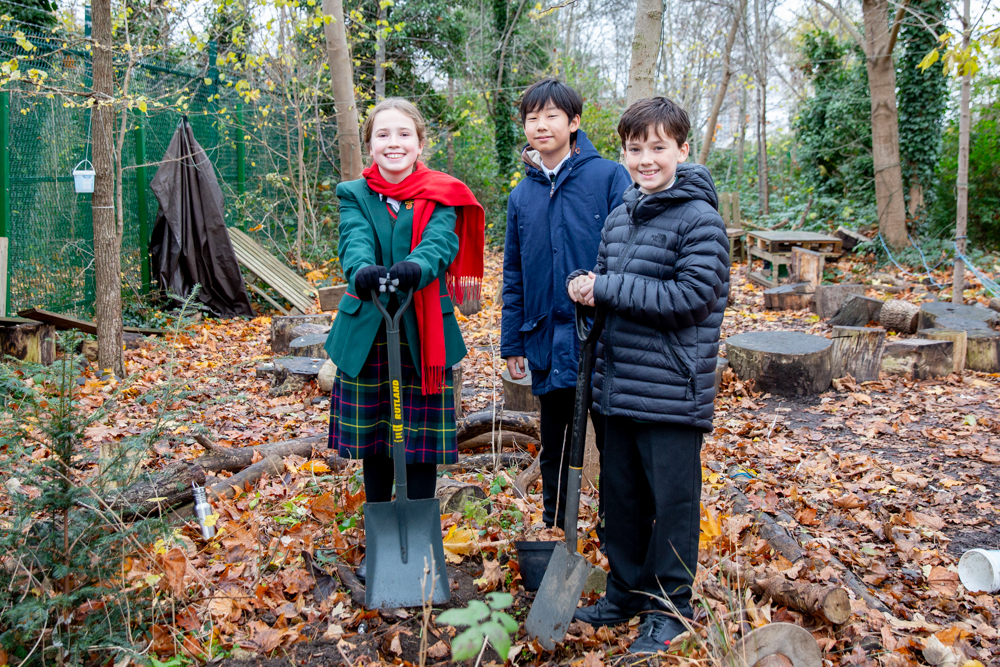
{"x": 653, "y": 484}
{"x": 421, "y": 479}
{"x": 557, "y": 435}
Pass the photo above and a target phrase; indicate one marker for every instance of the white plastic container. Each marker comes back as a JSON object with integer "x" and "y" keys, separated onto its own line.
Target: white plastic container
{"x": 979, "y": 570}
{"x": 83, "y": 179}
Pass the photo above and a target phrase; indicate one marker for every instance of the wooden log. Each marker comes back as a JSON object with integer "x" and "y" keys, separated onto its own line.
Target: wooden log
{"x": 784, "y": 639}
{"x": 33, "y": 342}
{"x": 310, "y": 329}
{"x": 311, "y": 346}
{"x": 929, "y": 312}
{"x": 959, "y": 324}
{"x": 983, "y": 351}
{"x": 454, "y": 494}
{"x": 246, "y": 478}
{"x": 504, "y": 460}
{"x": 591, "y": 458}
{"x": 995, "y": 304}
{"x": 900, "y": 316}
{"x": 857, "y": 351}
{"x": 830, "y": 603}
{"x": 850, "y": 238}
{"x": 152, "y": 493}
{"x": 220, "y": 458}
{"x": 483, "y": 422}
{"x": 797, "y": 296}
{"x": 506, "y": 439}
{"x": 282, "y": 327}
{"x": 857, "y": 311}
{"x": 918, "y": 358}
{"x": 457, "y": 371}
{"x": 959, "y": 339}
{"x": 781, "y": 362}
{"x": 527, "y": 477}
{"x": 807, "y": 267}
{"x": 829, "y": 298}
{"x": 517, "y": 394}
{"x": 329, "y": 297}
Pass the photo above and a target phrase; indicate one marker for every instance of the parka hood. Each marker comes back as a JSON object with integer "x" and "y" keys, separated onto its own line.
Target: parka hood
{"x": 580, "y": 151}
{"x": 693, "y": 183}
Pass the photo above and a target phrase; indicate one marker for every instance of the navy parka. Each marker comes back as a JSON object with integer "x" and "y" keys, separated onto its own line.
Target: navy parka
{"x": 553, "y": 229}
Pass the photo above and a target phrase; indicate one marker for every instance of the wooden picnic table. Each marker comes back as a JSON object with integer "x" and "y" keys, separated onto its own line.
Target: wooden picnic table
{"x": 776, "y": 248}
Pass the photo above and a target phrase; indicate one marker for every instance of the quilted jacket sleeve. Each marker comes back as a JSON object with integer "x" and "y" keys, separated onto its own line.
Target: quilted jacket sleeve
{"x": 512, "y": 314}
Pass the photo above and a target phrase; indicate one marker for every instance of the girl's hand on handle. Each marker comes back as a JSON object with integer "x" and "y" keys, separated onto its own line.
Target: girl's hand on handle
{"x": 581, "y": 289}
{"x": 515, "y": 366}
{"x": 367, "y": 279}
{"x": 405, "y": 275}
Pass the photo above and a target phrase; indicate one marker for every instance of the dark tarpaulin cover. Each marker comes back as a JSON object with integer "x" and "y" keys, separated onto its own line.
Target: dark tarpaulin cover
{"x": 190, "y": 244}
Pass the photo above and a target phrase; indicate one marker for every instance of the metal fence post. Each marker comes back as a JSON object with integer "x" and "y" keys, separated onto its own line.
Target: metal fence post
{"x": 140, "y": 189}
{"x": 5, "y": 222}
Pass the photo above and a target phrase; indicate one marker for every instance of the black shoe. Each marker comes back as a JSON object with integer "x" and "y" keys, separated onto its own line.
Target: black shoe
{"x": 605, "y": 612}
{"x": 656, "y": 633}
{"x": 362, "y": 572}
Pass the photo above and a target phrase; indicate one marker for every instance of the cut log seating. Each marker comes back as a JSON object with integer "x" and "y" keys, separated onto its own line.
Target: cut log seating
{"x": 795, "y": 296}
{"x": 517, "y": 394}
{"x": 857, "y": 351}
{"x": 310, "y": 329}
{"x": 829, "y": 298}
{"x": 807, "y": 266}
{"x": 929, "y": 312}
{"x": 959, "y": 340}
{"x": 959, "y": 324}
{"x": 34, "y": 342}
{"x": 309, "y": 346}
{"x": 918, "y": 358}
{"x": 329, "y": 297}
{"x": 899, "y": 316}
{"x": 290, "y": 285}
{"x": 782, "y": 362}
{"x": 851, "y": 239}
{"x": 283, "y": 328}
{"x": 857, "y": 311}
{"x": 983, "y": 351}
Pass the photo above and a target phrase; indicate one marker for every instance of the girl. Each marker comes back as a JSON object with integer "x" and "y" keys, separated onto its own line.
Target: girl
{"x": 428, "y": 228}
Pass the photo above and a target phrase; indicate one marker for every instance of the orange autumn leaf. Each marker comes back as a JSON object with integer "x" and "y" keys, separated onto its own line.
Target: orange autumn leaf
{"x": 324, "y": 508}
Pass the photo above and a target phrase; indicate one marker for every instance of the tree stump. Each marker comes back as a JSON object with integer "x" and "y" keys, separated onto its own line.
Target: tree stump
{"x": 959, "y": 339}
{"x": 454, "y": 494}
{"x": 899, "y": 316}
{"x": 291, "y": 374}
{"x": 34, "y": 342}
{"x": 807, "y": 267}
{"x": 995, "y": 303}
{"x": 329, "y": 297}
{"x": 456, "y": 378}
{"x": 309, "y": 346}
{"x": 829, "y": 298}
{"x": 785, "y": 639}
{"x": 310, "y": 329}
{"x": 857, "y": 311}
{"x": 983, "y": 351}
{"x": 929, "y": 312}
{"x": 781, "y": 362}
{"x": 918, "y": 358}
{"x": 797, "y": 296}
{"x": 282, "y": 327}
{"x": 857, "y": 351}
{"x": 469, "y": 306}
{"x": 517, "y": 394}
{"x": 959, "y": 324}
{"x": 850, "y": 238}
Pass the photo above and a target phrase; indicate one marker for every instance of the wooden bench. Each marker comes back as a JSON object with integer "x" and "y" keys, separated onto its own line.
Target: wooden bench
{"x": 729, "y": 209}
{"x": 776, "y": 248}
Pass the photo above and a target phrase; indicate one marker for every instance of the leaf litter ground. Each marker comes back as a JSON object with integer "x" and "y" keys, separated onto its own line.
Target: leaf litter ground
{"x": 892, "y": 479}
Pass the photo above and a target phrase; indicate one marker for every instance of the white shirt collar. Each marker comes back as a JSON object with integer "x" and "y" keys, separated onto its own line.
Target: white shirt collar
{"x": 550, "y": 173}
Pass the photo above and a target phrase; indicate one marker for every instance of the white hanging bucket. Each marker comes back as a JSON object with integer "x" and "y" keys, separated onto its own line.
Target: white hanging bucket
{"x": 83, "y": 179}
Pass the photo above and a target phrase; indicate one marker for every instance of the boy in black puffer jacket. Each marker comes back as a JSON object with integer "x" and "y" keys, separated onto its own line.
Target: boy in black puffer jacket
{"x": 663, "y": 276}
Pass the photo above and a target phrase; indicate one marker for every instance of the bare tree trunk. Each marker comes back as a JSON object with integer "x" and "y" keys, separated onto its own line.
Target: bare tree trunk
{"x": 107, "y": 243}
{"x": 645, "y": 47}
{"x": 380, "y": 36}
{"x": 720, "y": 95}
{"x": 962, "y": 185}
{"x": 342, "y": 80}
{"x": 741, "y": 143}
{"x": 451, "y": 135}
{"x": 885, "y": 126}
{"x": 568, "y": 53}
{"x": 763, "y": 185}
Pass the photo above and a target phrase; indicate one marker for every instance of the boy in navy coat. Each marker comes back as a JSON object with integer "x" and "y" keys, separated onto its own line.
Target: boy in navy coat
{"x": 554, "y": 221}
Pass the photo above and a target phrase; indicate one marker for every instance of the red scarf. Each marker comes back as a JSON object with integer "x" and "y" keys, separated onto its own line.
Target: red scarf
{"x": 464, "y": 277}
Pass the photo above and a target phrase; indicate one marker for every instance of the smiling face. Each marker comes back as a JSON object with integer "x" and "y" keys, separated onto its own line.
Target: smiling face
{"x": 395, "y": 145}
{"x": 652, "y": 161}
{"x": 548, "y": 130}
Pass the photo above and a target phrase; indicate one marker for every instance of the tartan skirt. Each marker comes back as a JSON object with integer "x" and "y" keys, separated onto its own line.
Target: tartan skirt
{"x": 360, "y": 411}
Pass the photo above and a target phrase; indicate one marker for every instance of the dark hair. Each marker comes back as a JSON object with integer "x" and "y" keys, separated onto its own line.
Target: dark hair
{"x": 540, "y": 93}
{"x": 654, "y": 114}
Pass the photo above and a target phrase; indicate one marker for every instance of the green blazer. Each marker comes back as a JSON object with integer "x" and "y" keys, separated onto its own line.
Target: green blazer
{"x": 362, "y": 215}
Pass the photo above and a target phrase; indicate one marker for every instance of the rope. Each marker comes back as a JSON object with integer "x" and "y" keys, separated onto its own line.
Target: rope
{"x": 988, "y": 284}
{"x": 907, "y": 272}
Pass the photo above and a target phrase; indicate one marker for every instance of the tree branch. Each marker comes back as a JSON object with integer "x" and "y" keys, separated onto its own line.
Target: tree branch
{"x": 848, "y": 26}
{"x": 897, "y": 22}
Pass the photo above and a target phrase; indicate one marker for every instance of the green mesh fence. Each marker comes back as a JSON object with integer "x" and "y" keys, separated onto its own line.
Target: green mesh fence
{"x": 49, "y": 224}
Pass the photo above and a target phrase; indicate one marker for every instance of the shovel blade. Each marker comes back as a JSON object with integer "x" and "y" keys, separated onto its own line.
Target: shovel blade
{"x": 556, "y": 599}
{"x": 391, "y": 583}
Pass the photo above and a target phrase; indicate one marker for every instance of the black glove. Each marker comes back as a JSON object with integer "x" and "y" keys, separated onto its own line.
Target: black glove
{"x": 367, "y": 279}
{"x": 405, "y": 275}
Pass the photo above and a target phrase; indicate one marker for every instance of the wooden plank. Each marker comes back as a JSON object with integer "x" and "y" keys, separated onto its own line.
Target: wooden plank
{"x": 3, "y": 276}
{"x": 737, "y": 217}
{"x": 268, "y": 268}
{"x": 275, "y": 263}
{"x": 65, "y": 322}
{"x": 264, "y": 295}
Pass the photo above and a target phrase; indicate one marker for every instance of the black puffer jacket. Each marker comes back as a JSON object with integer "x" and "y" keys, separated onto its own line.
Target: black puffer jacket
{"x": 663, "y": 275}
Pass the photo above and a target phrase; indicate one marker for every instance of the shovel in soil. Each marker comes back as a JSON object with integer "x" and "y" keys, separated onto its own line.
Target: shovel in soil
{"x": 402, "y": 534}
{"x": 552, "y": 611}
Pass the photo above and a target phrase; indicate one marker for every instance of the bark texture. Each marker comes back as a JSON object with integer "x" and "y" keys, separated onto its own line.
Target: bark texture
{"x": 645, "y": 48}
{"x": 342, "y": 83}
{"x": 899, "y": 316}
{"x": 962, "y": 182}
{"x": 720, "y": 94}
{"x": 857, "y": 351}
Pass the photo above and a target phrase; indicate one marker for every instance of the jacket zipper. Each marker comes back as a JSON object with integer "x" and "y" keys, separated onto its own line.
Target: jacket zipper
{"x": 690, "y": 393}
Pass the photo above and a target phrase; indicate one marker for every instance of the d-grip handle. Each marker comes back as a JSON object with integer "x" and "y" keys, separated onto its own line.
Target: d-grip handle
{"x": 392, "y": 321}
